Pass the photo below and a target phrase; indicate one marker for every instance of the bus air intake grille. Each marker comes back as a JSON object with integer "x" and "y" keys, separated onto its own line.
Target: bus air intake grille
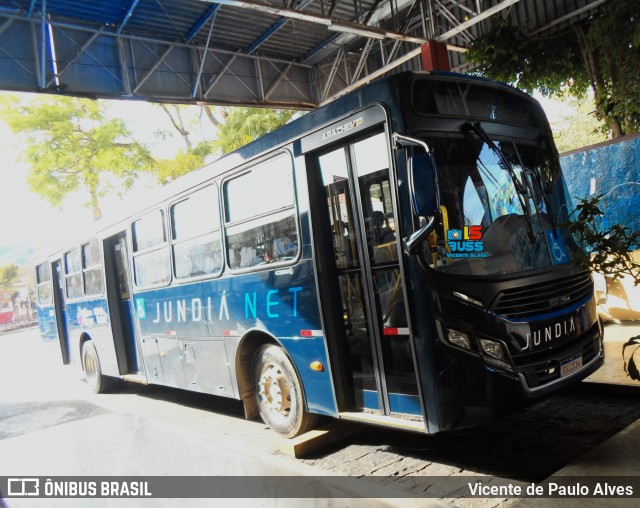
{"x": 543, "y": 297}
{"x": 542, "y": 368}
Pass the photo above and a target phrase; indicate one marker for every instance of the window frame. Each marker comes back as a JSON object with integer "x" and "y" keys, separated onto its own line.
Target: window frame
{"x": 86, "y": 269}
{"x": 255, "y": 165}
{"x": 67, "y": 275}
{"x": 159, "y": 247}
{"x": 211, "y": 234}
{"x": 49, "y": 283}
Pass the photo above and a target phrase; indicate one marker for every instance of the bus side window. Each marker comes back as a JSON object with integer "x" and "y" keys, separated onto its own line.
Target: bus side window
{"x": 73, "y": 274}
{"x": 261, "y": 224}
{"x": 92, "y": 268}
{"x": 43, "y": 282}
{"x": 151, "y": 264}
{"x": 195, "y": 232}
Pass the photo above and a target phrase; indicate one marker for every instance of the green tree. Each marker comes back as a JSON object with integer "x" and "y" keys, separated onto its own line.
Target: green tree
{"x": 604, "y": 250}
{"x": 73, "y": 146}
{"x": 236, "y": 127}
{"x": 193, "y": 156}
{"x": 8, "y": 276}
{"x": 584, "y": 55}
{"x": 243, "y": 125}
{"x": 578, "y": 127}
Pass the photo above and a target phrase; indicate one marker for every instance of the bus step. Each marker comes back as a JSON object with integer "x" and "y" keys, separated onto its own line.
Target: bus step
{"x": 136, "y": 378}
{"x": 391, "y": 421}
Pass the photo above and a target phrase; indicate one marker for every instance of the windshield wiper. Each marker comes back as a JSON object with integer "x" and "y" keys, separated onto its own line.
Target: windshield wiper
{"x": 535, "y": 173}
{"x": 520, "y": 189}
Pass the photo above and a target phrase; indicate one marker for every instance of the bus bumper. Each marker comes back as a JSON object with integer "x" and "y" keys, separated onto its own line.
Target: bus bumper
{"x": 489, "y": 392}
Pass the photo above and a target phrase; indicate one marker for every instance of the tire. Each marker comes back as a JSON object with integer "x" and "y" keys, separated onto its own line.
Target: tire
{"x": 279, "y": 394}
{"x": 97, "y": 381}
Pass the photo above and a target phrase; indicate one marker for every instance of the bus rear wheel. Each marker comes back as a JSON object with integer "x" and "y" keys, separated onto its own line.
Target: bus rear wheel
{"x": 279, "y": 393}
{"x": 96, "y": 380}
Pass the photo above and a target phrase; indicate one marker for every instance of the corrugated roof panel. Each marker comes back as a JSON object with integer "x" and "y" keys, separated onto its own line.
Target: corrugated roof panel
{"x": 243, "y": 30}
{"x": 171, "y": 19}
{"x": 239, "y": 28}
{"x": 295, "y": 38}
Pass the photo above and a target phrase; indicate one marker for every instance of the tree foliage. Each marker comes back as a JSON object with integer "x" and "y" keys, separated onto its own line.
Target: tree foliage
{"x": 607, "y": 251}
{"x": 579, "y": 127}
{"x": 615, "y": 35}
{"x": 73, "y": 146}
{"x": 235, "y": 128}
{"x": 601, "y": 52}
{"x": 185, "y": 161}
{"x": 8, "y": 276}
{"x": 243, "y": 125}
{"x": 549, "y": 65}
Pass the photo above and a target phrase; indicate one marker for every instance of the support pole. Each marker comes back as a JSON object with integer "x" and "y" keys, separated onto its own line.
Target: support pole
{"x": 434, "y": 57}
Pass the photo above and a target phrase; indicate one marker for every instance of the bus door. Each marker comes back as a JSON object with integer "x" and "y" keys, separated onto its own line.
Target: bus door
{"x": 118, "y": 278}
{"x": 361, "y": 283}
{"x": 60, "y": 306}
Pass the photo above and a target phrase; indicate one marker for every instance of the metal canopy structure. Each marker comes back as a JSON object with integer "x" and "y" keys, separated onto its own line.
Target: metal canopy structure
{"x": 277, "y": 53}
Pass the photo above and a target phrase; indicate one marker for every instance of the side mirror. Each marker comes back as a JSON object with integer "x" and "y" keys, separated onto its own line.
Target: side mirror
{"x": 424, "y": 186}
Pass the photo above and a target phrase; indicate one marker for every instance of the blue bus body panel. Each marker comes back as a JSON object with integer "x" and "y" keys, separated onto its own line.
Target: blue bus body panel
{"x": 91, "y": 316}
{"x": 47, "y": 323}
{"x": 281, "y": 303}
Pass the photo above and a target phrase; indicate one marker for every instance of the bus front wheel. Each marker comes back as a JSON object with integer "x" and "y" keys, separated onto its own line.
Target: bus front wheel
{"x": 96, "y": 380}
{"x": 279, "y": 393}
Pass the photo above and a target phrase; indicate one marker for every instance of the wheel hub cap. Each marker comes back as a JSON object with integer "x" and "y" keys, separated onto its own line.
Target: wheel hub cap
{"x": 274, "y": 390}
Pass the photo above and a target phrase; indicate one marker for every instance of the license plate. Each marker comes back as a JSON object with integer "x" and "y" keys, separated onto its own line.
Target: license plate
{"x": 570, "y": 365}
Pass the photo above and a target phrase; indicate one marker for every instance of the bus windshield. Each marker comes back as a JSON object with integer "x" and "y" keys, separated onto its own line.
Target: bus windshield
{"x": 504, "y": 207}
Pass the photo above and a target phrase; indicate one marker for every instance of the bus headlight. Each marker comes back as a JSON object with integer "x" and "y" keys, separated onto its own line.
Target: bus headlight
{"x": 493, "y": 349}
{"x": 458, "y": 338}
{"x": 495, "y": 353}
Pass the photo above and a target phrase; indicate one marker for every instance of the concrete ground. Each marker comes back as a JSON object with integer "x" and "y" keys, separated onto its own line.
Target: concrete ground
{"x": 52, "y": 425}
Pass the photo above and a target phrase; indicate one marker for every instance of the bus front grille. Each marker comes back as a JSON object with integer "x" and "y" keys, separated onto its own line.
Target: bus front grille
{"x": 539, "y": 369}
{"x": 543, "y": 297}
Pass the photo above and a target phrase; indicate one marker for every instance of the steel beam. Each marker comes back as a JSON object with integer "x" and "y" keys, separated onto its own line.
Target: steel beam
{"x": 452, "y": 19}
{"x": 567, "y": 17}
{"x": 320, "y": 20}
{"x": 63, "y": 32}
{"x": 213, "y": 82}
{"x": 79, "y": 52}
{"x": 196, "y": 81}
{"x": 150, "y": 72}
{"x": 195, "y": 29}
{"x": 332, "y": 75}
{"x": 383, "y": 70}
{"x": 363, "y": 58}
{"x": 278, "y": 80}
{"x": 274, "y": 28}
{"x": 125, "y": 20}
{"x": 475, "y": 20}
{"x": 43, "y": 47}
{"x": 5, "y": 26}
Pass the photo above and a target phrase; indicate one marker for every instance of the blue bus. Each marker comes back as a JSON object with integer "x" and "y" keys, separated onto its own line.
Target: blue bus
{"x": 400, "y": 256}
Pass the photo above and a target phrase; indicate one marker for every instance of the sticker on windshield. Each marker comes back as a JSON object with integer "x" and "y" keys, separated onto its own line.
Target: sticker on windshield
{"x": 559, "y": 253}
{"x": 140, "y": 309}
{"x": 465, "y": 243}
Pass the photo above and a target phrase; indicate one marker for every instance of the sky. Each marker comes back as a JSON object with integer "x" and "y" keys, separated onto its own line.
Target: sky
{"x": 27, "y": 221}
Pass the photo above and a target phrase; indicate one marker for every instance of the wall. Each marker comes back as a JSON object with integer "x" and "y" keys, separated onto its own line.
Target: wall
{"x": 613, "y": 170}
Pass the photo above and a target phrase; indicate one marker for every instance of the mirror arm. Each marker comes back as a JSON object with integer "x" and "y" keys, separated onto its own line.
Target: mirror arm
{"x": 417, "y": 237}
